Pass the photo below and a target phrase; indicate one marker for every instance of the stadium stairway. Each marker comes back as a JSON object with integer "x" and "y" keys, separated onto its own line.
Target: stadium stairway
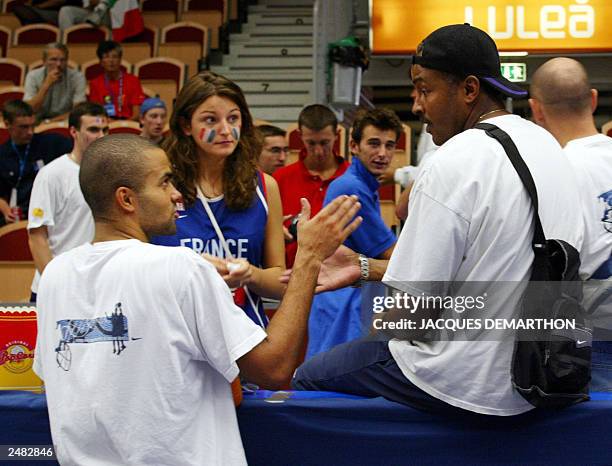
{"x": 271, "y": 59}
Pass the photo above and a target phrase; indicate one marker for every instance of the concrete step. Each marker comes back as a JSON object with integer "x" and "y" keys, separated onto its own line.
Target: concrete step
{"x": 281, "y": 20}
{"x": 276, "y": 113}
{"x": 284, "y": 10}
{"x": 273, "y": 87}
{"x": 259, "y": 71}
{"x": 277, "y": 99}
{"x": 270, "y": 50}
{"x": 277, "y": 29}
{"x": 275, "y": 41}
{"x": 285, "y": 39}
{"x": 263, "y": 75}
{"x": 286, "y": 3}
{"x": 280, "y": 61}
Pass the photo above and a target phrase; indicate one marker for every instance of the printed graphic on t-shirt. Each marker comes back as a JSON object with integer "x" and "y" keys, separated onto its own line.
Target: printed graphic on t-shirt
{"x": 238, "y": 247}
{"x": 607, "y": 214}
{"x": 113, "y": 328}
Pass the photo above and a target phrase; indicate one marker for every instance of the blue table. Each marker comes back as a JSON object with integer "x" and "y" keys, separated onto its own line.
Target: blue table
{"x": 330, "y": 429}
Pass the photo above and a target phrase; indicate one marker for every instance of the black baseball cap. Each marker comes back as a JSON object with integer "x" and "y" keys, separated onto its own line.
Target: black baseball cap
{"x": 461, "y": 49}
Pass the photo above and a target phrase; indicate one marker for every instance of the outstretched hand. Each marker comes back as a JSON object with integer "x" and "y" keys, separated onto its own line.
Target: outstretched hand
{"x": 321, "y": 235}
{"x": 339, "y": 270}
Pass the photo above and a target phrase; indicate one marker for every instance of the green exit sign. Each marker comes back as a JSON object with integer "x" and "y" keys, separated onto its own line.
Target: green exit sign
{"x": 515, "y": 72}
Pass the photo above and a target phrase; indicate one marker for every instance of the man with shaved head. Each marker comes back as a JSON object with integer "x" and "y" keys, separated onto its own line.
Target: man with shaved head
{"x": 563, "y": 102}
{"x": 138, "y": 343}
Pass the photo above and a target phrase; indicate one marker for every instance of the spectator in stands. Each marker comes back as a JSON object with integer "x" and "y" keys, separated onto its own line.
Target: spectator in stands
{"x": 317, "y": 167}
{"x": 59, "y": 218}
{"x": 54, "y": 89}
{"x": 177, "y": 339}
{"x": 83, "y": 11}
{"x": 470, "y": 220}
{"x": 153, "y": 118}
{"x": 563, "y": 102}
{"x": 336, "y": 316}
{"x": 40, "y": 11}
{"x": 21, "y": 157}
{"x": 233, "y": 211}
{"x": 118, "y": 91}
{"x": 275, "y": 149}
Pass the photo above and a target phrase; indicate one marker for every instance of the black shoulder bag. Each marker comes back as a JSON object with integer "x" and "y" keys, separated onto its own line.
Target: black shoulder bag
{"x": 550, "y": 369}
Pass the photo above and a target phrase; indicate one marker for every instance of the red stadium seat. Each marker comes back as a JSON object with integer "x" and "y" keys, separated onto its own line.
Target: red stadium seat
{"x": 55, "y": 127}
{"x": 4, "y": 134}
{"x": 92, "y": 68}
{"x": 82, "y": 41}
{"x": 9, "y": 5}
{"x": 210, "y": 13}
{"x": 37, "y": 34}
{"x": 12, "y": 71}
{"x": 161, "y": 68}
{"x": 5, "y": 40}
{"x": 10, "y": 93}
{"x": 160, "y": 13}
{"x": 14, "y": 242}
{"x": 85, "y": 34}
{"x": 186, "y": 41}
{"x": 29, "y": 40}
{"x": 124, "y": 126}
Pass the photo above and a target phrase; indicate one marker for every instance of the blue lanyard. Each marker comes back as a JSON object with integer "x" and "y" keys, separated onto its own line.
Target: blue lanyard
{"x": 22, "y": 160}
{"x": 112, "y": 96}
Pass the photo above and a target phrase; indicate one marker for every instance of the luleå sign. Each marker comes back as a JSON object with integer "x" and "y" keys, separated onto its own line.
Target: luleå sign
{"x": 397, "y": 26}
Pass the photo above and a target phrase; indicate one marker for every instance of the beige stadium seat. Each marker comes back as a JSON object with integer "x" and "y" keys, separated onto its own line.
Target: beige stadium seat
{"x": 136, "y": 51}
{"x": 82, "y": 53}
{"x": 164, "y": 88}
{"x": 10, "y": 21}
{"x": 184, "y": 51}
{"x": 25, "y": 53}
{"x": 607, "y": 128}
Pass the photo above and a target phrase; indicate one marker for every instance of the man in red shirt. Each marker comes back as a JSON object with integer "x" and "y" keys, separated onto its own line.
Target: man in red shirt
{"x": 316, "y": 168}
{"x": 118, "y": 91}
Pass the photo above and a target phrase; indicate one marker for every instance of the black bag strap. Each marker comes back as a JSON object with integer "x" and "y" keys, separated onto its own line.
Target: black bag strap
{"x": 539, "y": 239}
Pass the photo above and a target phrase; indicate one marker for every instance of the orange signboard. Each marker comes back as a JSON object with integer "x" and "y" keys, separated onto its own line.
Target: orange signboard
{"x": 398, "y": 26}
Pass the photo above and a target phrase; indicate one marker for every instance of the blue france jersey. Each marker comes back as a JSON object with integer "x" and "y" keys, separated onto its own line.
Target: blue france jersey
{"x": 244, "y": 232}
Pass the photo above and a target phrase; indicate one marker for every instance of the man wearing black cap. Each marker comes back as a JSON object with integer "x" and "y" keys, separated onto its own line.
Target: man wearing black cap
{"x": 470, "y": 220}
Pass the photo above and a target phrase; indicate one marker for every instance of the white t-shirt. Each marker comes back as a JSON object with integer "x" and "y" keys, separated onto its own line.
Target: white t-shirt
{"x": 57, "y": 203}
{"x": 592, "y": 160}
{"x": 159, "y": 394}
{"x": 470, "y": 219}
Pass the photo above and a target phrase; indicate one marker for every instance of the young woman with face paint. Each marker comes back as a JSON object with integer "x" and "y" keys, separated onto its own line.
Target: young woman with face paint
{"x": 214, "y": 150}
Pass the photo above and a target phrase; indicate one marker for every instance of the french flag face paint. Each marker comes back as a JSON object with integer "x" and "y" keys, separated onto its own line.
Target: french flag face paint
{"x": 208, "y": 135}
{"x": 236, "y": 133}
